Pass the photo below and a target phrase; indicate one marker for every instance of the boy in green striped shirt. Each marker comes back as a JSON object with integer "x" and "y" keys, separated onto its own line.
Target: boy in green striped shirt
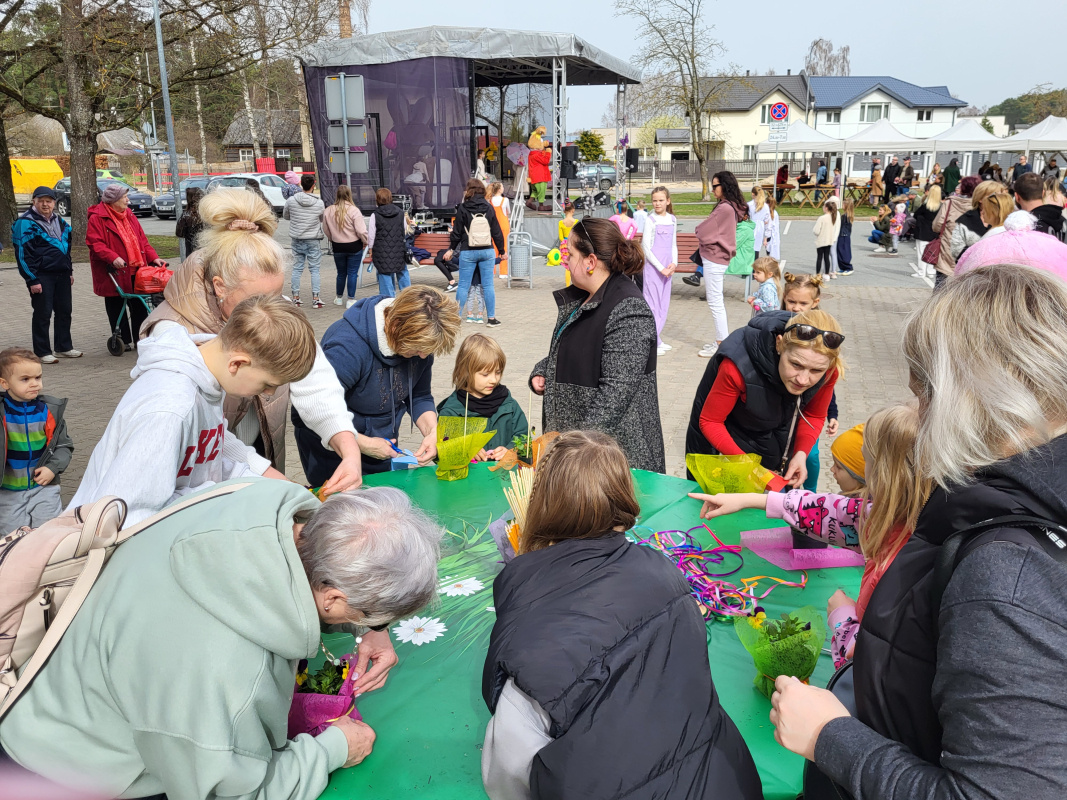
{"x": 36, "y": 446}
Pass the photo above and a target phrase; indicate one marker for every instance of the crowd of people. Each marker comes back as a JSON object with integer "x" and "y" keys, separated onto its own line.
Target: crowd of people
{"x": 951, "y": 645}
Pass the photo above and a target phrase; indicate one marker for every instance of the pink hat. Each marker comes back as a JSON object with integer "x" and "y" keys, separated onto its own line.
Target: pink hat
{"x": 1018, "y": 244}
{"x": 114, "y": 192}
{"x": 292, "y": 177}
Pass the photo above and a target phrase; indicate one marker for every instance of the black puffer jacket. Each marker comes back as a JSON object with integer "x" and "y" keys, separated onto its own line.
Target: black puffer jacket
{"x": 600, "y": 372}
{"x": 976, "y": 706}
{"x": 389, "y": 250}
{"x": 623, "y": 675}
{"x": 761, "y": 424}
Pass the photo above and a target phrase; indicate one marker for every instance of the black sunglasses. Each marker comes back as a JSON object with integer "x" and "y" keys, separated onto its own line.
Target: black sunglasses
{"x": 809, "y": 333}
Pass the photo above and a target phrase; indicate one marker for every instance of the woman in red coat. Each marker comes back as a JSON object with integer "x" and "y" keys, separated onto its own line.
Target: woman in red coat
{"x": 117, "y": 245}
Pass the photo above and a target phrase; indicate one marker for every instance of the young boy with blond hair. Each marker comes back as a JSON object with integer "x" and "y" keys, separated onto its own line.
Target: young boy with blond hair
{"x": 36, "y": 445}
{"x": 479, "y": 393}
{"x": 167, "y": 436}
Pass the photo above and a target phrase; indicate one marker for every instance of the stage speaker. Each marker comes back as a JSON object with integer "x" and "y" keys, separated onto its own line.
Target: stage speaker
{"x": 568, "y": 170}
{"x": 569, "y": 153}
{"x": 631, "y": 159}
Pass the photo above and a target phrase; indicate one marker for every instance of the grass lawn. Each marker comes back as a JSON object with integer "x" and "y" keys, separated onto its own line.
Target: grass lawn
{"x": 166, "y": 247}
{"x": 687, "y": 204}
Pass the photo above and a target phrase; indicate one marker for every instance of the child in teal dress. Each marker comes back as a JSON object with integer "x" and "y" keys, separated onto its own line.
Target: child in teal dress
{"x": 479, "y": 392}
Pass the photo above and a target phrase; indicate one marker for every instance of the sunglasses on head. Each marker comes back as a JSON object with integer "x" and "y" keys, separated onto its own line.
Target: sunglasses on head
{"x": 809, "y": 333}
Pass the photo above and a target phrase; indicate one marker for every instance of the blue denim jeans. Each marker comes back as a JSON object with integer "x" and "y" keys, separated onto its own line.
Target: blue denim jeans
{"x": 386, "y": 286}
{"x": 482, "y": 260}
{"x": 311, "y": 251}
{"x": 876, "y": 236}
{"x": 347, "y": 272}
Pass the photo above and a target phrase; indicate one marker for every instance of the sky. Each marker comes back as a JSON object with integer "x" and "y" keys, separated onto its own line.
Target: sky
{"x": 914, "y": 44}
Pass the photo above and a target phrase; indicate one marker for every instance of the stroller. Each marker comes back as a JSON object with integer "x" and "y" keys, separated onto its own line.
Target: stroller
{"x": 115, "y": 345}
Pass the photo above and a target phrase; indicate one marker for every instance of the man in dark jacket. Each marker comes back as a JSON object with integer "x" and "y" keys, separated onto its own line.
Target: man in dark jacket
{"x": 41, "y": 239}
{"x": 907, "y": 177}
{"x": 889, "y": 178}
{"x": 1020, "y": 169}
{"x": 1030, "y": 196}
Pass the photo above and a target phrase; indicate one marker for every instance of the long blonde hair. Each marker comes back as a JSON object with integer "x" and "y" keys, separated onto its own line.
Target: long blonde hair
{"x": 341, "y": 204}
{"x": 758, "y": 197}
{"x": 848, "y": 210}
{"x": 933, "y": 198}
{"x": 895, "y": 489}
{"x": 238, "y": 237}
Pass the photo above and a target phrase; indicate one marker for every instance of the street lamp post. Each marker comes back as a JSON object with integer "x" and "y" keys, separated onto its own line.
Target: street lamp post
{"x": 169, "y": 118}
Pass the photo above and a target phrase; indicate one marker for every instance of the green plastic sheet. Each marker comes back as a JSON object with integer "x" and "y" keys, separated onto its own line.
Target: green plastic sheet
{"x": 430, "y": 718}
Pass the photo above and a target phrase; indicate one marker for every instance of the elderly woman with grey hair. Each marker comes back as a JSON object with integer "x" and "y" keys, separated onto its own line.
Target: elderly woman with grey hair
{"x": 959, "y": 664}
{"x": 177, "y": 674}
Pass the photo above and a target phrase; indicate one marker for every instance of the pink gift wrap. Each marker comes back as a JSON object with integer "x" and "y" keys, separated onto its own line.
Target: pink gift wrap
{"x": 776, "y": 546}
{"x": 314, "y": 713}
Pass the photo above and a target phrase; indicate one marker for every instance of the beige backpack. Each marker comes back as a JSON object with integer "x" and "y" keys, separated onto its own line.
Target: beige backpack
{"x": 46, "y": 574}
{"x": 479, "y": 234}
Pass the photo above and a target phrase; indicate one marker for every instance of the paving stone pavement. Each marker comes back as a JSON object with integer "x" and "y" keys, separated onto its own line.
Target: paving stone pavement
{"x": 871, "y": 316}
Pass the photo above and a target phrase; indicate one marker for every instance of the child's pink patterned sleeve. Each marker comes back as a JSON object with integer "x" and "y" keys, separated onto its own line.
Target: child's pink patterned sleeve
{"x": 829, "y": 518}
{"x": 843, "y": 629}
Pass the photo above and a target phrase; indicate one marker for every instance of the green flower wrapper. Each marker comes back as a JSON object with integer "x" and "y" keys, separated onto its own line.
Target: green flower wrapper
{"x": 794, "y": 655}
{"x": 456, "y": 449}
{"x": 728, "y": 474}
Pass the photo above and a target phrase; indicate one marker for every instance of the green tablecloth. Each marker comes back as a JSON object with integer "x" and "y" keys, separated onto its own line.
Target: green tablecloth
{"x": 430, "y": 718}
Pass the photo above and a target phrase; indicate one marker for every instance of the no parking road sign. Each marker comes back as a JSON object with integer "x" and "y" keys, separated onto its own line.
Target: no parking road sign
{"x": 779, "y": 111}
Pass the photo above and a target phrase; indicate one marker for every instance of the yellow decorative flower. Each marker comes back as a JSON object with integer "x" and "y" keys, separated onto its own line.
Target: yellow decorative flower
{"x": 757, "y": 620}
{"x": 301, "y": 677}
{"x": 344, "y": 672}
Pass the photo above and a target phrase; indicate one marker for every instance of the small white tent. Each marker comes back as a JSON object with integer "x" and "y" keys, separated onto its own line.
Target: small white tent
{"x": 802, "y": 138}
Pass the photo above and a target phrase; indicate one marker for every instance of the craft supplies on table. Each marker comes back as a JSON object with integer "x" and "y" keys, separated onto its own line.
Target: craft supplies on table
{"x": 776, "y": 545}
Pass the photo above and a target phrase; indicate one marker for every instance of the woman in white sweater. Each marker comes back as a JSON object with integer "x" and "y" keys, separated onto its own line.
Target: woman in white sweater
{"x": 239, "y": 258}
{"x": 760, "y": 214}
{"x": 826, "y": 230}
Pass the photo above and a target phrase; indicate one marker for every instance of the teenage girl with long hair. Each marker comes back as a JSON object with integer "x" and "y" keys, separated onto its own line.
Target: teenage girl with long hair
{"x": 844, "y": 238}
{"x": 346, "y": 229}
{"x": 659, "y": 242}
{"x": 773, "y": 231}
{"x": 760, "y": 215}
{"x": 717, "y": 236}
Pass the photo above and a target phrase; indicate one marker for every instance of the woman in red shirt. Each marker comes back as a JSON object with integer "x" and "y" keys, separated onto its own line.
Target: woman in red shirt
{"x": 767, "y": 390}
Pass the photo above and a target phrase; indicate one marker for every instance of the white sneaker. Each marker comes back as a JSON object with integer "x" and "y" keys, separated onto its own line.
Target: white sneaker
{"x": 49, "y": 359}
{"x": 661, "y": 351}
{"x": 69, "y": 353}
{"x": 879, "y": 250}
{"x": 666, "y": 346}
{"x": 708, "y": 351}
{"x": 338, "y": 301}
{"x": 350, "y": 303}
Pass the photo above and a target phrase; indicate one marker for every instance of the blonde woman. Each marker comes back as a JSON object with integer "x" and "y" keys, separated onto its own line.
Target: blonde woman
{"x": 925, "y": 215}
{"x": 958, "y": 671}
{"x": 995, "y": 210}
{"x": 970, "y": 227}
{"x": 346, "y": 229}
{"x": 238, "y": 258}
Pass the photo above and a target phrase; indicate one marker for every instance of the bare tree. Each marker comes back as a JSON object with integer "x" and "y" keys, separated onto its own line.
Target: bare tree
{"x": 678, "y": 48}
{"x": 199, "y": 109}
{"x": 641, "y": 105}
{"x": 822, "y": 60}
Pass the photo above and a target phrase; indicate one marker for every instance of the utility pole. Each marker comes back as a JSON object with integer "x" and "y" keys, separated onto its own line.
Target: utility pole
{"x": 171, "y": 144}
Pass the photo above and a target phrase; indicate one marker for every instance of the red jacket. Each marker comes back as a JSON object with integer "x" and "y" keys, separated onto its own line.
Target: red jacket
{"x": 105, "y": 245}
{"x": 539, "y": 161}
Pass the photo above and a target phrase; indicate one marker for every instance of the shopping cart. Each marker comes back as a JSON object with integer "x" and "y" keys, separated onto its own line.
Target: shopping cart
{"x": 115, "y": 345}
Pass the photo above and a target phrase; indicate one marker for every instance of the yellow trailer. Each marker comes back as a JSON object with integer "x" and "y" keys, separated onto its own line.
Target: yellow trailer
{"x": 29, "y": 173}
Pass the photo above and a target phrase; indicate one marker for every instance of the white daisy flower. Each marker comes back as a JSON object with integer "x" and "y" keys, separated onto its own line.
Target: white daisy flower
{"x": 462, "y": 588}
{"x": 419, "y": 630}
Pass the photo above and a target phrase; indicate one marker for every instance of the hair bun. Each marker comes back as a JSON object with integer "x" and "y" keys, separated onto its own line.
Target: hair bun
{"x": 789, "y": 277}
{"x": 241, "y": 225}
{"x": 629, "y": 259}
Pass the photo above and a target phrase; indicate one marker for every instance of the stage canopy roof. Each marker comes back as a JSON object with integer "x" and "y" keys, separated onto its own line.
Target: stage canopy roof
{"x": 883, "y": 136}
{"x": 501, "y": 57}
{"x": 802, "y": 138}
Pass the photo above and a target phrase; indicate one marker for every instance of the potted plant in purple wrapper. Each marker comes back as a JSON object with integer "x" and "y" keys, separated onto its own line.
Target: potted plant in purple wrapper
{"x": 322, "y": 698}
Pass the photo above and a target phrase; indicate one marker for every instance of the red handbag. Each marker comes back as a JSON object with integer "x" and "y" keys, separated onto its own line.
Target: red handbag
{"x": 933, "y": 250}
{"x": 151, "y": 280}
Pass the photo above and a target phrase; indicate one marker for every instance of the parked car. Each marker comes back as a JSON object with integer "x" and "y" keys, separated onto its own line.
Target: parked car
{"x": 110, "y": 175}
{"x": 602, "y": 174}
{"x": 140, "y": 202}
{"x": 270, "y": 183}
{"x": 164, "y": 204}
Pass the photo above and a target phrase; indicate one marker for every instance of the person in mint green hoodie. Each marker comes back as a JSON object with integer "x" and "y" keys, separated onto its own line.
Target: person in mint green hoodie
{"x": 479, "y": 393}
{"x": 177, "y": 674}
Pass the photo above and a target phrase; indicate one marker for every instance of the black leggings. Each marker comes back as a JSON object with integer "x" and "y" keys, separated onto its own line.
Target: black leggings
{"x": 822, "y": 254}
{"x": 113, "y": 305}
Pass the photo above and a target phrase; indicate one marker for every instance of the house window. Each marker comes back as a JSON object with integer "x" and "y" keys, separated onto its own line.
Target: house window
{"x": 872, "y": 112}
{"x": 926, "y": 114}
{"x": 245, "y": 155}
{"x": 283, "y": 153}
{"x": 833, "y": 116}
{"x": 765, "y": 114}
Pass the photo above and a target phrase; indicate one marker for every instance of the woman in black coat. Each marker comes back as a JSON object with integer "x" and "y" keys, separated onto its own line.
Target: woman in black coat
{"x": 598, "y": 690}
{"x": 959, "y": 663}
{"x": 475, "y": 250}
{"x": 600, "y": 371}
